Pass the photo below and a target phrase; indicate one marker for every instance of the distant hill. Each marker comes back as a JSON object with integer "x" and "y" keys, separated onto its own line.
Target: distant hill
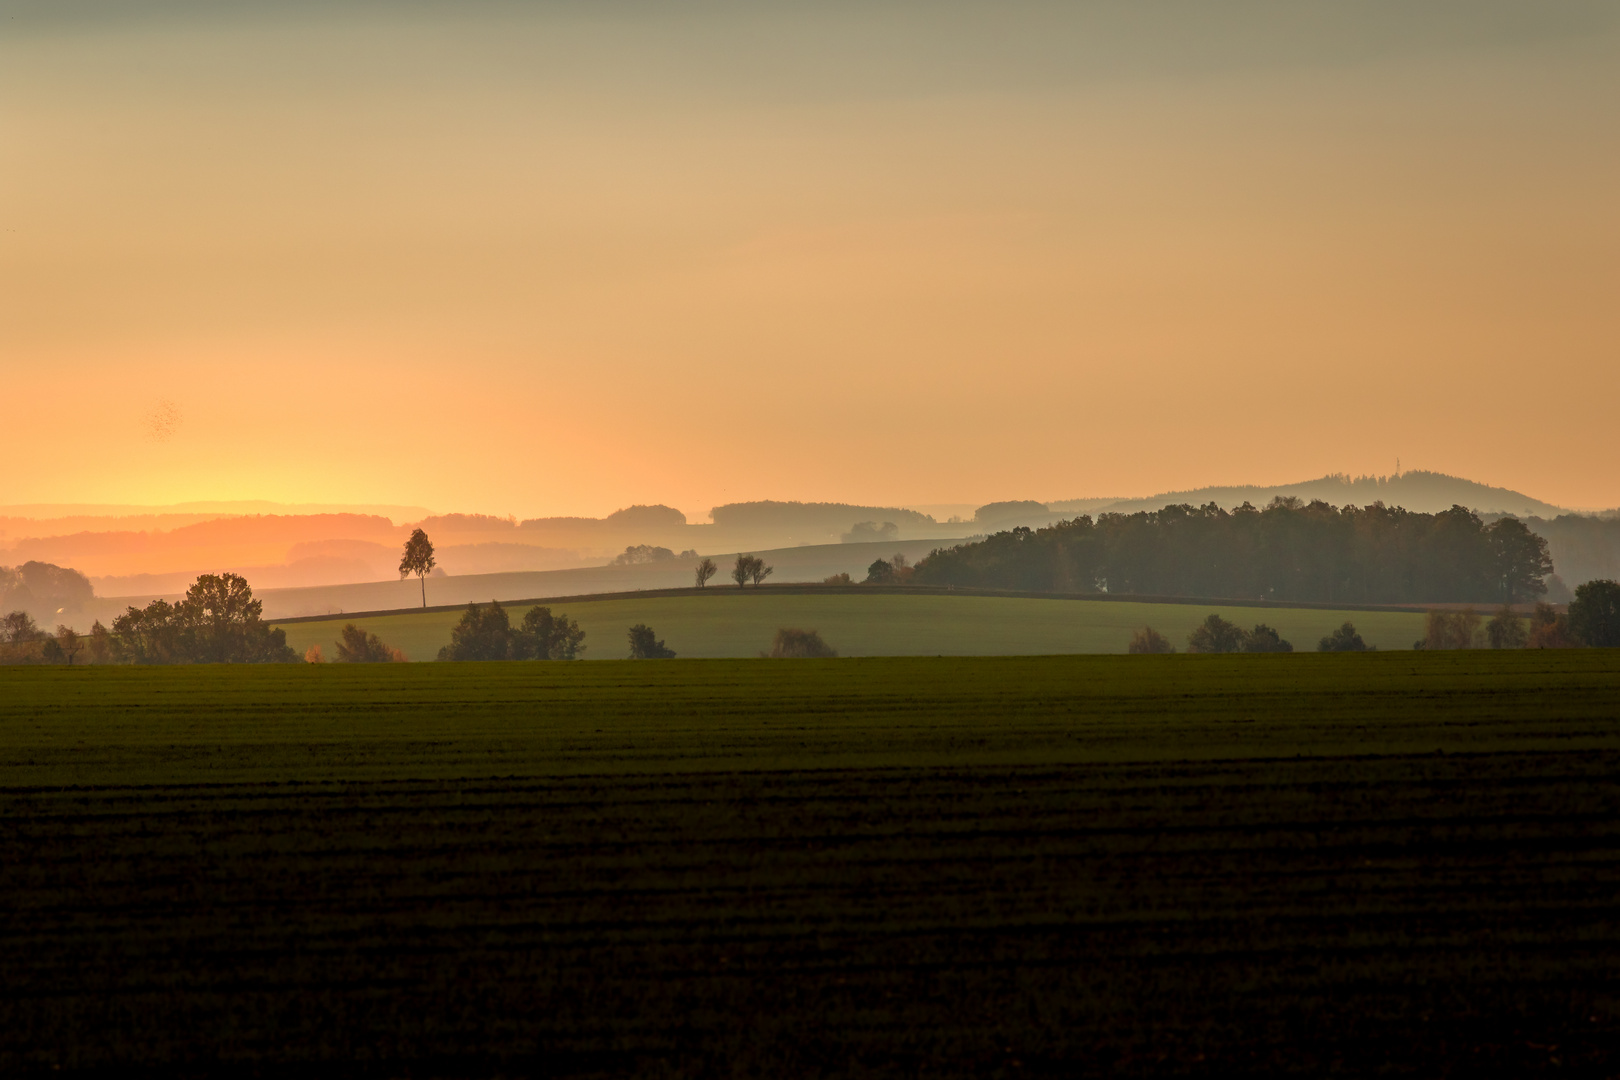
{"x": 814, "y": 516}
{"x": 1419, "y": 490}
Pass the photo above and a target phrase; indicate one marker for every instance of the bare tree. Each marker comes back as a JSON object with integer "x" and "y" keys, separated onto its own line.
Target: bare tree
{"x": 740, "y": 572}
{"x": 758, "y": 571}
{"x": 418, "y": 560}
{"x": 705, "y": 570}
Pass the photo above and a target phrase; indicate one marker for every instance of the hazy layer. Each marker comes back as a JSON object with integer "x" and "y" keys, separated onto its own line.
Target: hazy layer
{"x": 562, "y": 258}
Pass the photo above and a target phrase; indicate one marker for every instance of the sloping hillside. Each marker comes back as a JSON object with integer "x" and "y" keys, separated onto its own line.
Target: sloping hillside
{"x": 1420, "y": 490}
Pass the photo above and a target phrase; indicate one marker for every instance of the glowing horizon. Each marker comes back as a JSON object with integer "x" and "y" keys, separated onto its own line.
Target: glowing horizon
{"x": 548, "y": 260}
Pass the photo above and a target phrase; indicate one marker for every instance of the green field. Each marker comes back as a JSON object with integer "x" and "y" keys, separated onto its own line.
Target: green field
{"x": 1391, "y": 862}
{"x": 730, "y": 622}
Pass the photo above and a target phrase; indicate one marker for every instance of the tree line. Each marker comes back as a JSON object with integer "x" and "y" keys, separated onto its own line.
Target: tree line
{"x": 1592, "y": 621}
{"x": 218, "y": 622}
{"x": 1287, "y": 552}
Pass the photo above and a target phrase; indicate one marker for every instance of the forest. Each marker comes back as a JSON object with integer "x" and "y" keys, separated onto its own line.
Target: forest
{"x": 1289, "y": 551}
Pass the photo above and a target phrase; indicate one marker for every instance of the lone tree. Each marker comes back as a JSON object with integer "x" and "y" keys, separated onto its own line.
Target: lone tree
{"x": 645, "y": 645}
{"x": 705, "y": 570}
{"x": 418, "y": 559}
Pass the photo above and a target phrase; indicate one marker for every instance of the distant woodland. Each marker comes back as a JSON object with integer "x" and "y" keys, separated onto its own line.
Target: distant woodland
{"x": 1288, "y": 551}
{"x": 141, "y": 556}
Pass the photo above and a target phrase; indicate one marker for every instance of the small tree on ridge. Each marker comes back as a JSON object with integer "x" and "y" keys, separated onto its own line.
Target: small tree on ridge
{"x": 418, "y": 560}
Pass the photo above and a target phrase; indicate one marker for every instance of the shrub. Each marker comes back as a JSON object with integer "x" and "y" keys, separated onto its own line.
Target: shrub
{"x": 838, "y": 579}
{"x": 1344, "y": 639}
{"x": 644, "y": 645}
{"x": 1264, "y": 639}
{"x": 1149, "y": 640}
{"x": 799, "y": 644}
{"x": 1215, "y": 635}
{"x": 1550, "y": 630}
{"x": 359, "y": 647}
{"x": 1452, "y": 630}
{"x": 313, "y": 655}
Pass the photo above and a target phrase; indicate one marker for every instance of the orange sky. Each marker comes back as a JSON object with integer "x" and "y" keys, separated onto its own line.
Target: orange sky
{"x": 553, "y": 259}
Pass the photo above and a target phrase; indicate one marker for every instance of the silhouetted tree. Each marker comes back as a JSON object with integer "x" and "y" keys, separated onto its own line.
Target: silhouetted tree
{"x": 482, "y": 634}
{"x": 1263, "y": 639}
{"x": 418, "y": 560}
{"x": 799, "y": 644}
{"x": 1215, "y": 635}
{"x": 1506, "y": 630}
{"x": 644, "y": 645}
{"x": 881, "y": 572}
{"x": 758, "y": 571}
{"x": 1594, "y": 614}
{"x": 705, "y": 570}
{"x": 1148, "y": 640}
{"x": 1344, "y": 639}
{"x": 219, "y": 621}
{"x": 740, "y": 571}
{"x": 1521, "y": 560}
{"x": 544, "y": 636}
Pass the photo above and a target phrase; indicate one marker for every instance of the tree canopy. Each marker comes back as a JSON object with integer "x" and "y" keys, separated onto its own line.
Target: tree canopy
{"x": 418, "y": 559}
{"x": 1594, "y": 614}
{"x": 218, "y": 622}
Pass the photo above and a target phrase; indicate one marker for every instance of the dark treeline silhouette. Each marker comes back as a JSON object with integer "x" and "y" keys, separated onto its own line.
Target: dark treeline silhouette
{"x": 1287, "y": 552}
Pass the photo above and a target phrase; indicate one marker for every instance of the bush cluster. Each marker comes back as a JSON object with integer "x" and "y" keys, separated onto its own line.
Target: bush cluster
{"x": 486, "y": 633}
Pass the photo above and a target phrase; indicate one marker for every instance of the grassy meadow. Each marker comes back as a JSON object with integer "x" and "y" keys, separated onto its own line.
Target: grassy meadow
{"x": 728, "y": 622}
{"x": 1393, "y": 862}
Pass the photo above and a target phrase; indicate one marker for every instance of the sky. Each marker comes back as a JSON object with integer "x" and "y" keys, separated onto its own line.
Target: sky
{"x": 560, "y": 258}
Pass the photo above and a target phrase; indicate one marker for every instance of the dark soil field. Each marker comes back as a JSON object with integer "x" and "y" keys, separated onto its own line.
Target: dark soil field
{"x": 1403, "y": 864}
